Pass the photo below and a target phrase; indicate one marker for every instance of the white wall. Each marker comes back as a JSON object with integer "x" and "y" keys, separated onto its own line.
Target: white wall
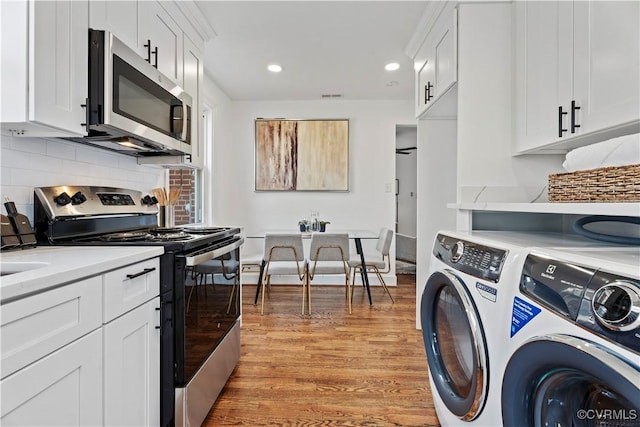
{"x": 370, "y": 201}
{"x": 38, "y": 162}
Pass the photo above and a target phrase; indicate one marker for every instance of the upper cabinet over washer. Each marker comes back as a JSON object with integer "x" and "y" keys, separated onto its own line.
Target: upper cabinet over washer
{"x": 436, "y": 60}
{"x": 577, "y": 68}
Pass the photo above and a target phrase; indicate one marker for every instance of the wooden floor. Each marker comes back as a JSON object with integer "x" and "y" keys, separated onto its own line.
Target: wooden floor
{"x": 330, "y": 368}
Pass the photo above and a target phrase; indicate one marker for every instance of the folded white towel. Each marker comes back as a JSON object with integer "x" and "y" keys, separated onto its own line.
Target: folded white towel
{"x": 621, "y": 151}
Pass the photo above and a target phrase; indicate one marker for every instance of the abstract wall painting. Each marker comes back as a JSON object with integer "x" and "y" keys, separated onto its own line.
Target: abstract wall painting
{"x": 302, "y": 155}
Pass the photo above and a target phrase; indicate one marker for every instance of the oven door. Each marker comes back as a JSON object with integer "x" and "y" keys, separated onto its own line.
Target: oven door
{"x": 207, "y": 304}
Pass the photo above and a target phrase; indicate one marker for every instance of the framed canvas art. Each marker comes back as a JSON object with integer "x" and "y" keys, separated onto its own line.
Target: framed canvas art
{"x": 302, "y": 155}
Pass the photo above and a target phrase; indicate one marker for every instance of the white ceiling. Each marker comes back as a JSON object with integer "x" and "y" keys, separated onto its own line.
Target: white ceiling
{"x": 325, "y": 48}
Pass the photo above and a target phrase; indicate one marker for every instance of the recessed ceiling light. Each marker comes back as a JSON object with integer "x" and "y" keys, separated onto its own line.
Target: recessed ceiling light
{"x": 392, "y": 66}
{"x": 274, "y": 68}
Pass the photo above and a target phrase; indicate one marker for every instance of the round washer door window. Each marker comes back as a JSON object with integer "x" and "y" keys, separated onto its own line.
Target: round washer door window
{"x": 565, "y": 381}
{"x": 455, "y": 345}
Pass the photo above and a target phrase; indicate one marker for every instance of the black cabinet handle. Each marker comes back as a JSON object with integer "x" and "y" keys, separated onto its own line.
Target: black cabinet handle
{"x": 87, "y": 114}
{"x": 142, "y": 273}
{"x": 574, "y": 108}
{"x": 426, "y": 93}
{"x": 429, "y": 87}
{"x": 148, "y": 46}
{"x": 155, "y": 57}
{"x": 561, "y": 113}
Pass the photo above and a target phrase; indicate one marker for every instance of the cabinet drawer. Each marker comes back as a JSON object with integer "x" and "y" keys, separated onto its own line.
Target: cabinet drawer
{"x": 33, "y": 327}
{"x": 129, "y": 287}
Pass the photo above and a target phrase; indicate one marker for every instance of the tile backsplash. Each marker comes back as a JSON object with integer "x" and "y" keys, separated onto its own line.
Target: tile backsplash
{"x": 39, "y": 162}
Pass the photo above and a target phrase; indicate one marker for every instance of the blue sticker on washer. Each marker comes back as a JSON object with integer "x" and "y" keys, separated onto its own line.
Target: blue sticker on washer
{"x": 522, "y": 313}
{"x": 487, "y": 292}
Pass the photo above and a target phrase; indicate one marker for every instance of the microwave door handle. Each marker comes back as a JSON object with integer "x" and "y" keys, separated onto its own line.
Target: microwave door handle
{"x": 185, "y": 122}
{"x": 178, "y": 122}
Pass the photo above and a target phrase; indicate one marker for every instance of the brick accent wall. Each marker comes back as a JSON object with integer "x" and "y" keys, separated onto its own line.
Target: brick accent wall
{"x": 185, "y": 208}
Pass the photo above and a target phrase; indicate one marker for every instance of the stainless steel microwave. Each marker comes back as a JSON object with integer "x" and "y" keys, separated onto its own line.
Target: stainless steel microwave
{"x": 132, "y": 107}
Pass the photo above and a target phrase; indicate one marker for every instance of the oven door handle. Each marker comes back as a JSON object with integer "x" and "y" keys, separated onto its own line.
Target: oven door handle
{"x": 199, "y": 257}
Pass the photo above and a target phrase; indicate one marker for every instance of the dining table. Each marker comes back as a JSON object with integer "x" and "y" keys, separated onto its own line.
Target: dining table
{"x": 356, "y": 235}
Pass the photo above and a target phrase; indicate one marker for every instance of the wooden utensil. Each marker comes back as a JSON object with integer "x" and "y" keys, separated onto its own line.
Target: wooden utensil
{"x": 161, "y": 195}
{"x": 174, "y": 195}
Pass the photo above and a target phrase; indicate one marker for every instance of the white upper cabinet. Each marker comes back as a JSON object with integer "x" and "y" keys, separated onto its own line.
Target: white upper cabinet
{"x": 146, "y": 27}
{"x": 606, "y": 62}
{"x": 44, "y": 84}
{"x": 576, "y": 72}
{"x": 193, "y": 75}
{"x": 160, "y": 40}
{"x": 118, "y": 17}
{"x": 436, "y": 61}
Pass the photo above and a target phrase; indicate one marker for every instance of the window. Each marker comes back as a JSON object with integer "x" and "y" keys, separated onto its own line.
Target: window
{"x": 188, "y": 209}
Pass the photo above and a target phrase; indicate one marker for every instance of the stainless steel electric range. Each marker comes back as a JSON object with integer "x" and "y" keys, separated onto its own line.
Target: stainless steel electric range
{"x": 200, "y": 336}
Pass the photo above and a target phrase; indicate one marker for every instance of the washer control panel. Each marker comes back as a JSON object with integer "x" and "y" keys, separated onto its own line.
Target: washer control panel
{"x": 472, "y": 258}
{"x": 604, "y": 303}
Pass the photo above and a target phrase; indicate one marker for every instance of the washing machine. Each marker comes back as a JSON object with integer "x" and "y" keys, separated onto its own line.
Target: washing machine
{"x": 573, "y": 353}
{"x": 459, "y": 313}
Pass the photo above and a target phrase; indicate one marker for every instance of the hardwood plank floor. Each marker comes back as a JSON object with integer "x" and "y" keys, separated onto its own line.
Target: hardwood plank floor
{"x": 329, "y": 368}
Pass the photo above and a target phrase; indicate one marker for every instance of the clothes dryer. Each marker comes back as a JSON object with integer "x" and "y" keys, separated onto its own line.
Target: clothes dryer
{"x": 574, "y": 346}
{"x": 460, "y": 309}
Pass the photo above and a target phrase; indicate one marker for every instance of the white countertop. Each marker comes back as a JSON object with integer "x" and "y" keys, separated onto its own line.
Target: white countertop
{"x": 53, "y": 266}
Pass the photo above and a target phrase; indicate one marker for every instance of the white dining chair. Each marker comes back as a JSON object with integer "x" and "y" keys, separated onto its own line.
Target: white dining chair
{"x": 329, "y": 254}
{"x": 377, "y": 262}
{"x": 283, "y": 255}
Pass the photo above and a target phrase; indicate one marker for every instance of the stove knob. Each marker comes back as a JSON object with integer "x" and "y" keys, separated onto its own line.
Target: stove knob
{"x": 78, "y": 198}
{"x": 62, "y": 199}
{"x": 154, "y": 201}
{"x": 146, "y": 200}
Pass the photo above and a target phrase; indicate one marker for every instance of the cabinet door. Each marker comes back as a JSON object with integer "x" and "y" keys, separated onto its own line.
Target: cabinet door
{"x": 193, "y": 74}
{"x": 157, "y": 26}
{"x": 132, "y": 367}
{"x": 445, "y": 53}
{"x": 607, "y": 63}
{"x": 31, "y": 328}
{"x": 62, "y": 389}
{"x": 58, "y": 76}
{"x": 426, "y": 83}
{"x": 540, "y": 55}
{"x": 118, "y": 17}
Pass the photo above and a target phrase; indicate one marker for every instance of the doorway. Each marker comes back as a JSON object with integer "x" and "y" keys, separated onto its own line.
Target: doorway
{"x": 406, "y": 192}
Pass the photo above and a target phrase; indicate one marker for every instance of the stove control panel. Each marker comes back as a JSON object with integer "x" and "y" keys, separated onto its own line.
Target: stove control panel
{"x": 115, "y": 199}
{"x": 82, "y": 201}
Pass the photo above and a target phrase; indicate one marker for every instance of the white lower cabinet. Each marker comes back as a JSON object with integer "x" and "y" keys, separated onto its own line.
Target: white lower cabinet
{"x": 62, "y": 389}
{"x": 132, "y": 367}
{"x": 85, "y": 353}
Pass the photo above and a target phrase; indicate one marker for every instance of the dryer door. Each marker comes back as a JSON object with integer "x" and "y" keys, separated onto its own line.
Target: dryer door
{"x": 561, "y": 380}
{"x": 455, "y": 344}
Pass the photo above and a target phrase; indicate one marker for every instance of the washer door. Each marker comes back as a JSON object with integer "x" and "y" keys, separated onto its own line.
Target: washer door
{"x": 455, "y": 345}
{"x": 561, "y": 381}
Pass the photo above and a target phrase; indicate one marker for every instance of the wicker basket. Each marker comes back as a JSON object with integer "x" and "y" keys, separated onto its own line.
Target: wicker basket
{"x": 609, "y": 184}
